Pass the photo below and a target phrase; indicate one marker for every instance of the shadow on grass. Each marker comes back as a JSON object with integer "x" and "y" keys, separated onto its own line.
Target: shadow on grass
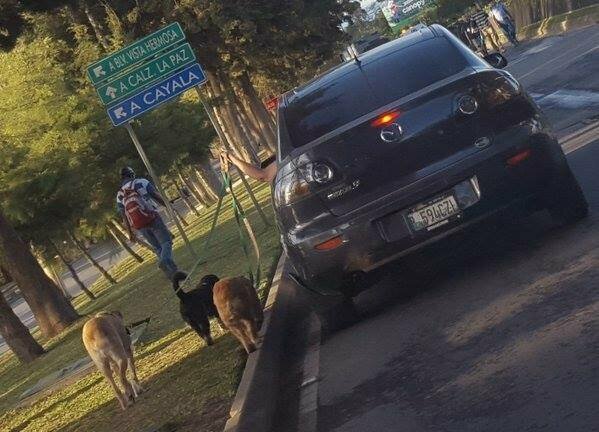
{"x": 190, "y": 395}
{"x": 171, "y": 339}
{"x": 53, "y": 405}
{"x": 143, "y": 291}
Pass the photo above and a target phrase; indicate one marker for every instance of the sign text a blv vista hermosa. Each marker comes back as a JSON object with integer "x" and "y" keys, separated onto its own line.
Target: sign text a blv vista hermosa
{"x": 114, "y": 64}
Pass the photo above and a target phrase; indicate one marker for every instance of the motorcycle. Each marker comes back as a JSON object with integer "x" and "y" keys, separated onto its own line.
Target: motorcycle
{"x": 475, "y": 38}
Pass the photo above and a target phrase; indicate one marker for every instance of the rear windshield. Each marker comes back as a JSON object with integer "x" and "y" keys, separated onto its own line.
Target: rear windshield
{"x": 313, "y": 113}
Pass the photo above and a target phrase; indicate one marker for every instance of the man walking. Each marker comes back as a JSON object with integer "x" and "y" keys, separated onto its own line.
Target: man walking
{"x": 135, "y": 203}
{"x": 506, "y": 21}
{"x": 482, "y": 22}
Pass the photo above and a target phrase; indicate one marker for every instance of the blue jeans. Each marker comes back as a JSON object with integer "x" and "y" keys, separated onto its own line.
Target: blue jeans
{"x": 159, "y": 237}
{"x": 509, "y": 30}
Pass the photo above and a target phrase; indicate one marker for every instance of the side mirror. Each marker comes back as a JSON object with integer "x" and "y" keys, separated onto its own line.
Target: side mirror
{"x": 497, "y": 60}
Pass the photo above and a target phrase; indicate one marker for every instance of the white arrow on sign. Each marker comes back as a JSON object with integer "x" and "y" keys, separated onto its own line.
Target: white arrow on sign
{"x": 111, "y": 91}
{"x": 99, "y": 71}
{"x": 119, "y": 113}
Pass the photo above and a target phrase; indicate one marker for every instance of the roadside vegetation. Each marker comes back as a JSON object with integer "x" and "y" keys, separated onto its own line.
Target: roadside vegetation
{"x": 188, "y": 385}
{"x": 60, "y": 172}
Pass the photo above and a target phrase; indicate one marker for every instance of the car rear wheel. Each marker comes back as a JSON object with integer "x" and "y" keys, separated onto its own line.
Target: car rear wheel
{"x": 567, "y": 201}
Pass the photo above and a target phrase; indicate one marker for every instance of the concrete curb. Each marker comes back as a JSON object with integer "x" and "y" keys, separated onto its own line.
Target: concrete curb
{"x": 308, "y": 402}
{"x": 254, "y": 404}
{"x": 559, "y": 24}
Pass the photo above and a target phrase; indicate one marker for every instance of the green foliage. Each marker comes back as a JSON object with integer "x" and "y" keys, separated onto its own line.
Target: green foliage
{"x": 61, "y": 155}
{"x": 11, "y": 23}
{"x": 284, "y": 42}
{"x": 449, "y": 10}
{"x": 172, "y": 361}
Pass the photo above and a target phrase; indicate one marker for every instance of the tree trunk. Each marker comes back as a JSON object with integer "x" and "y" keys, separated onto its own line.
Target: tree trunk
{"x": 91, "y": 259}
{"x": 197, "y": 194}
{"x": 50, "y": 307}
{"x": 71, "y": 269}
{"x": 250, "y": 120}
{"x": 184, "y": 197}
{"x": 124, "y": 235}
{"x": 16, "y": 335}
{"x": 245, "y": 127}
{"x": 209, "y": 197}
{"x": 234, "y": 121}
{"x": 259, "y": 110}
{"x": 114, "y": 229}
{"x": 179, "y": 216}
{"x": 48, "y": 268}
{"x": 209, "y": 179}
{"x": 226, "y": 118}
{"x": 94, "y": 22}
{"x": 214, "y": 94}
{"x": 44, "y": 265}
{"x": 243, "y": 120}
{"x": 262, "y": 137}
{"x": 59, "y": 281}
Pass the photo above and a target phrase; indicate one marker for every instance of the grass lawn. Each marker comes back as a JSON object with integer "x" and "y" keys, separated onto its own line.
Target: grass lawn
{"x": 189, "y": 387}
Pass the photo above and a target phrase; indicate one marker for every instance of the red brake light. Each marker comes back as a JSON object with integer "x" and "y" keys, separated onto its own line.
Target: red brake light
{"x": 518, "y": 158}
{"x": 272, "y": 103}
{"x": 330, "y": 244}
{"x": 385, "y": 119}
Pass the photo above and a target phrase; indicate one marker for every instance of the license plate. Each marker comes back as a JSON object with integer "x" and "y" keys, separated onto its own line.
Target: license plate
{"x": 434, "y": 213}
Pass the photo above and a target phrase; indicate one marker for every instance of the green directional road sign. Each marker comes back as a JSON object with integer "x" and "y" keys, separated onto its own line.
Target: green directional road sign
{"x": 137, "y": 52}
{"x": 146, "y": 73}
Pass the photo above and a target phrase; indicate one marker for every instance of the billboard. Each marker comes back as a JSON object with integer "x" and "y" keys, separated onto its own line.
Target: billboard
{"x": 402, "y": 13}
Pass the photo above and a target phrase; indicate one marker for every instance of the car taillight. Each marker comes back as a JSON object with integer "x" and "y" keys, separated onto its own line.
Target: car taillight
{"x": 272, "y": 103}
{"x": 330, "y": 244}
{"x": 294, "y": 183}
{"x": 519, "y": 158}
{"x": 385, "y": 119}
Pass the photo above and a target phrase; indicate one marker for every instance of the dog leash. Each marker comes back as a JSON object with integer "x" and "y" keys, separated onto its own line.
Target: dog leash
{"x": 240, "y": 217}
{"x": 241, "y": 221}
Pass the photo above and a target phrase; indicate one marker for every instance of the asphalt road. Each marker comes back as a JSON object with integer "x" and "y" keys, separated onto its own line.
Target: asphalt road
{"x": 502, "y": 332}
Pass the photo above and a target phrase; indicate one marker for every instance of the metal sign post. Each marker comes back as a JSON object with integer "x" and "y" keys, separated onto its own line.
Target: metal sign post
{"x": 225, "y": 144}
{"x": 144, "y": 75}
{"x": 156, "y": 179}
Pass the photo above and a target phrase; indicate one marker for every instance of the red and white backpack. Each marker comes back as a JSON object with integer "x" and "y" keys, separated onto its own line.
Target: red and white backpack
{"x": 138, "y": 210}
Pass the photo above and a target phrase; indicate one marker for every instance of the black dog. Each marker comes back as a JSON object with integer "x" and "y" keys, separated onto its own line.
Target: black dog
{"x": 196, "y": 306}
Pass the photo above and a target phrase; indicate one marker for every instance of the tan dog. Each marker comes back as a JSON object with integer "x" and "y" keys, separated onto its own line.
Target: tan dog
{"x": 109, "y": 346}
{"x": 240, "y": 310}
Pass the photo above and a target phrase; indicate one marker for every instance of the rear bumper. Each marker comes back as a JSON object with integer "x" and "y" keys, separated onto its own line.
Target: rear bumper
{"x": 366, "y": 244}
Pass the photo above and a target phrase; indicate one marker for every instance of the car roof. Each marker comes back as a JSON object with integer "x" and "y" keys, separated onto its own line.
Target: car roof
{"x": 369, "y": 56}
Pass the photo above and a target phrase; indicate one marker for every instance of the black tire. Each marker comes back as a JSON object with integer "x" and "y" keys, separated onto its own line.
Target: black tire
{"x": 567, "y": 201}
{"x": 338, "y": 316}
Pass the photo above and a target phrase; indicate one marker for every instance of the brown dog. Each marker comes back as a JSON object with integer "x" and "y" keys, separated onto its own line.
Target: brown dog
{"x": 109, "y": 346}
{"x": 240, "y": 310}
